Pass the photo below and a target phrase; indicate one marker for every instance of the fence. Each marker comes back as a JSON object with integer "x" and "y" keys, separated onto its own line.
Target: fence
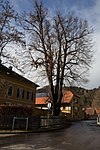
{"x": 46, "y": 121}
{"x": 19, "y": 123}
{"x": 31, "y": 123}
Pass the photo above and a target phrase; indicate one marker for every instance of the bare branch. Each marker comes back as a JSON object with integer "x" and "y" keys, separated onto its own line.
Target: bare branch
{"x": 61, "y": 47}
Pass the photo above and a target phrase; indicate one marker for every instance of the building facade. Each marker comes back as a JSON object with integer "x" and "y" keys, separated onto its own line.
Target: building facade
{"x": 15, "y": 89}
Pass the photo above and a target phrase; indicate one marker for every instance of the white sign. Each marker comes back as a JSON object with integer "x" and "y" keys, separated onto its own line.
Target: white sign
{"x": 49, "y": 105}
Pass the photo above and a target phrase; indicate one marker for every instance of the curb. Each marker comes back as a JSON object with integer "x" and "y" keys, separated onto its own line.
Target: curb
{"x": 44, "y": 129}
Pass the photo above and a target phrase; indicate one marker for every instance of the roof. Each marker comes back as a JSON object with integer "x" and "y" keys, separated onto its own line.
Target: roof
{"x": 41, "y": 100}
{"x": 89, "y": 111}
{"x": 9, "y": 71}
{"x": 67, "y": 97}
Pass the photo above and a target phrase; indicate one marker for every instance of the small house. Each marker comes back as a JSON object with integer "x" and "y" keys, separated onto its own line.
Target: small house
{"x": 71, "y": 106}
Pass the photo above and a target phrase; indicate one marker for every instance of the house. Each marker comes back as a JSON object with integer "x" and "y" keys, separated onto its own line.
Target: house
{"x": 90, "y": 111}
{"x": 42, "y": 100}
{"x": 71, "y": 106}
{"x": 15, "y": 89}
{"x": 41, "y": 103}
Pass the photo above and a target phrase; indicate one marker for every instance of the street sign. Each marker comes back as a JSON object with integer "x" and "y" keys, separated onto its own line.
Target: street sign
{"x": 49, "y": 105}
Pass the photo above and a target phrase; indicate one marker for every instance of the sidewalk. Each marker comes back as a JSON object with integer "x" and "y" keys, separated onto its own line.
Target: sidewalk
{"x": 6, "y": 133}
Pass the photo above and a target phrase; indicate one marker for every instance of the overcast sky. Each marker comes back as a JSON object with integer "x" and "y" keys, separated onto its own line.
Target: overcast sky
{"x": 86, "y": 9}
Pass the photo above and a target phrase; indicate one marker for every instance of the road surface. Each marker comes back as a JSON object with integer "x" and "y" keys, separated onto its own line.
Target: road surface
{"x": 83, "y": 135}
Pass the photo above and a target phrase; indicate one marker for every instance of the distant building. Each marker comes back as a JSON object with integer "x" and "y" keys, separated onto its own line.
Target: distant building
{"x": 15, "y": 89}
{"x": 71, "y": 105}
{"x": 42, "y": 100}
{"x": 90, "y": 111}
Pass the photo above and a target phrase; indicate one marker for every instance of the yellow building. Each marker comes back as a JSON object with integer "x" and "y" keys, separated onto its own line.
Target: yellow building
{"x": 15, "y": 89}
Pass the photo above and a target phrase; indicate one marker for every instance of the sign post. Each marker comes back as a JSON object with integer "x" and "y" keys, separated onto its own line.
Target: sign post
{"x": 49, "y": 107}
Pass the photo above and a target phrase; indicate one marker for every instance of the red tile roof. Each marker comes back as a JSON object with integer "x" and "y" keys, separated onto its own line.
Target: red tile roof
{"x": 90, "y": 111}
{"x": 67, "y": 97}
{"x": 41, "y": 100}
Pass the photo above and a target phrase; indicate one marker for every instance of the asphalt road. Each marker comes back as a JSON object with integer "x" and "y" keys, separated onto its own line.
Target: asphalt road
{"x": 84, "y": 135}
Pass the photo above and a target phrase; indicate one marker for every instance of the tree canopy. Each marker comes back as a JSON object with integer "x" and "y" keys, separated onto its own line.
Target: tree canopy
{"x": 60, "y": 46}
{"x": 9, "y": 31}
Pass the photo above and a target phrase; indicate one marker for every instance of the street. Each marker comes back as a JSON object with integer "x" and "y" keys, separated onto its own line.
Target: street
{"x": 83, "y": 135}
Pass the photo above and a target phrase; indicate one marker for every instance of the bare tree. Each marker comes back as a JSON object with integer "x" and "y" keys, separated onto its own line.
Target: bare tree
{"x": 9, "y": 32}
{"x": 61, "y": 47}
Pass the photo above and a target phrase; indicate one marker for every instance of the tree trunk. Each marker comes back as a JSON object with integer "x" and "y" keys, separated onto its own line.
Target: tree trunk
{"x": 56, "y": 105}
{"x": 56, "y": 109}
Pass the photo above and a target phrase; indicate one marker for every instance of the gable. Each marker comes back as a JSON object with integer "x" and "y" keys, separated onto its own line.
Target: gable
{"x": 67, "y": 97}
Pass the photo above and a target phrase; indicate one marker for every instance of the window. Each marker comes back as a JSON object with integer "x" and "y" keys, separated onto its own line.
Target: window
{"x": 20, "y": 93}
{"x": 66, "y": 109}
{"x": 10, "y": 91}
{"x": 29, "y": 95}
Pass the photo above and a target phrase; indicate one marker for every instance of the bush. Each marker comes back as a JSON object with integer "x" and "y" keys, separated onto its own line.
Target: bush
{"x": 15, "y": 111}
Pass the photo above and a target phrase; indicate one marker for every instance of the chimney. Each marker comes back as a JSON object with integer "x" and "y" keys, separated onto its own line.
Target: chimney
{"x": 10, "y": 67}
